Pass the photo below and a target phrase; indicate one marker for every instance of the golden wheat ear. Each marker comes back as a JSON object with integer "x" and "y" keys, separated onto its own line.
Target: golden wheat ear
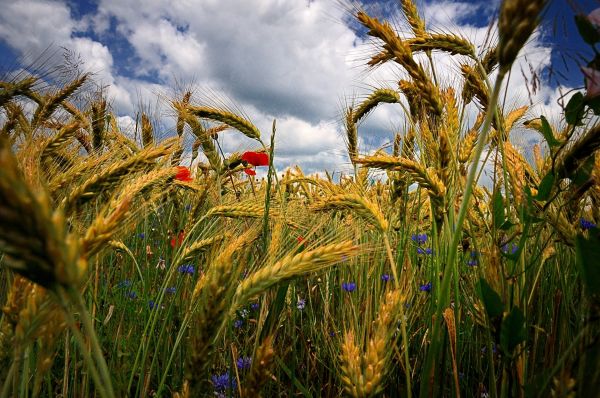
{"x": 33, "y": 237}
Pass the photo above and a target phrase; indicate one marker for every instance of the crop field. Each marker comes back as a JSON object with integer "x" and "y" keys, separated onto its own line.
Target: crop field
{"x": 139, "y": 266}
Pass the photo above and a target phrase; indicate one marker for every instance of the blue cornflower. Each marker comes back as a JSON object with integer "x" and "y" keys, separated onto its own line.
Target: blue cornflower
{"x": 223, "y": 381}
{"x": 238, "y": 323}
{"x": 171, "y": 290}
{"x": 419, "y": 239}
{"x": 186, "y": 269}
{"x": 512, "y": 248}
{"x": 385, "y": 277}
{"x": 585, "y": 224}
{"x": 254, "y": 306}
{"x": 473, "y": 260}
{"x": 131, "y": 294}
{"x": 243, "y": 363}
{"x": 152, "y": 304}
{"x": 142, "y": 235}
{"x": 427, "y": 251}
{"x": 301, "y": 304}
{"x": 188, "y": 207}
{"x": 124, "y": 283}
{"x": 349, "y": 286}
{"x": 426, "y": 287}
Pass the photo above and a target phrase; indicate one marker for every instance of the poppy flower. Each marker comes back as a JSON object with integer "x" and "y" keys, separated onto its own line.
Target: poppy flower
{"x": 250, "y": 172}
{"x": 594, "y": 18}
{"x": 177, "y": 241}
{"x": 592, "y": 82}
{"x": 256, "y": 158}
{"x": 183, "y": 174}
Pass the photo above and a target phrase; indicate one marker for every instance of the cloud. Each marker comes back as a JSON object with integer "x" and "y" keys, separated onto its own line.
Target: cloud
{"x": 290, "y": 60}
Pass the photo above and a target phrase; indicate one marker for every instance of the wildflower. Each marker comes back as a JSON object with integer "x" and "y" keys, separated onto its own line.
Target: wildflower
{"x": 161, "y": 263}
{"x": 256, "y": 158}
{"x": 254, "y": 306}
{"x": 349, "y": 286}
{"x": 427, "y": 251}
{"x": 250, "y": 172}
{"x": 301, "y": 304}
{"x": 385, "y": 277}
{"x": 179, "y": 240}
{"x": 592, "y": 82}
{"x": 183, "y": 174}
{"x": 243, "y": 363}
{"x": 594, "y": 18}
{"x": 512, "y": 248}
{"x": 238, "y": 323}
{"x": 300, "y": 239}
{"x": 426, "y": 287}
{"x": 131, "y": 295}
{"x": 419, "y": 239}
{"x": 244, "y": 313}
{"x": 188, "y": 207}
{"x": 472, "y": 262}
{"x": 223, "y": 381}
{"x": 585, "y": 224}
{"x": 124, "y": 283}
{"x": 152, "y": 304}
{"x": 142, "y": 235}
{"x": 170, "y": 290}
{"x": 186, "y": 269}
{"x": 149, "y": 251}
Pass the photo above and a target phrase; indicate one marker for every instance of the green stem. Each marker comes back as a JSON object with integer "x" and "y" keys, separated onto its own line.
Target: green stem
{"x": 452, "y": 249}
{"x": 402, "y": 319}
{"x": 97, "y": 351}
{"x": 82, "y": 345}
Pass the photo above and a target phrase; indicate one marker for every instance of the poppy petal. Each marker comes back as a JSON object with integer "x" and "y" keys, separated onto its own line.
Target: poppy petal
{"x": 256, "y": 158}
{"x": 183, "y": 174}
{"x": 250, "y": 172}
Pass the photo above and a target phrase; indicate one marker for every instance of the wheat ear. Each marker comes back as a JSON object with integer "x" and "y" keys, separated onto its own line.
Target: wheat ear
{"x": 357, "y": 203}
{"x": 289, "y": 267}
{"x": 239, "y": 123}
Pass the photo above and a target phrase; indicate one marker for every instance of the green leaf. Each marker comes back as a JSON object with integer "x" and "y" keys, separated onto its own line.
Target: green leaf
{"x": 588, "y": 255}
{"x": 498, "y": 208}
{"x": 587, "y": 30}
{"x": 583, "y": 173}
{"x": 506, "y": 225}
{"x": 594, "y": 104}
{"x": 491, "y": 299}
{"x": 547, "y": 133}
{"x": 545, "y": 187}
{"x": 513, "y": 330}
{"x": 574, "y": 109}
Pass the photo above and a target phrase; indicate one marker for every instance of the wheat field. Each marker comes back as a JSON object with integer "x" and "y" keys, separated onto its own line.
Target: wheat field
{"x": 124, "y": 271}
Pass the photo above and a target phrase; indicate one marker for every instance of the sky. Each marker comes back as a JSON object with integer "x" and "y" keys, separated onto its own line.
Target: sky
{"x": 297, "y": 61}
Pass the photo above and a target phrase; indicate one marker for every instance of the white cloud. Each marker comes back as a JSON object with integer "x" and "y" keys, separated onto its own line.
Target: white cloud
{"x": 290, "y": 60}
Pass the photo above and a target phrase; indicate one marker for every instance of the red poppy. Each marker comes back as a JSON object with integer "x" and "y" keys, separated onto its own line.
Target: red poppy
{"x": 178, "y": 241}
{"x": 300, "y": 239}
{"x": 183, "y": 174}
{"x": 256, "y": 158}
{"x": 250, "y": 172}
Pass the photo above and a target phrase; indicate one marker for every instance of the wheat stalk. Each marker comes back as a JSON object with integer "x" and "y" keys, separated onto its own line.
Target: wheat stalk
{"x": 517, "y": 21}
{"x": 381, "y": 95}
{"x": 357, "y": 203}
{"x": 289, "y": 267}
{"x": 239, "y": 123}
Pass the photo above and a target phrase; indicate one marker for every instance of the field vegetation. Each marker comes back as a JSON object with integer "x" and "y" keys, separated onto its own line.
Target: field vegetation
{"x": 125, "y": 271}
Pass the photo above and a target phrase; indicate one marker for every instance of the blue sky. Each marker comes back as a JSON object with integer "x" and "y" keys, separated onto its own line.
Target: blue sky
{"x": 297, "y": 61}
